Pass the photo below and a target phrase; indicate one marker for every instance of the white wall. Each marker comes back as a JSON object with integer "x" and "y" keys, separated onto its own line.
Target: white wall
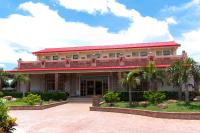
{"x": 37, "y": 82}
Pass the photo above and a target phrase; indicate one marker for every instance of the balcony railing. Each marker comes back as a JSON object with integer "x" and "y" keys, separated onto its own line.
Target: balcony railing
{"x": 108, "y": 62}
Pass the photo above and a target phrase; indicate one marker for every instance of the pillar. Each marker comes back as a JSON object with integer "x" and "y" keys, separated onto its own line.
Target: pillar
{"x": 56, "y": 81}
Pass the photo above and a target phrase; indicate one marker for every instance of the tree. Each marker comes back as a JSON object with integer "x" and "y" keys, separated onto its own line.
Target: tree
{"x": 131, "y": 80}
{"x": 175, "y": 76}
{"x": 181, "y": 72}
{"x": 21, "y": 78}
{"x": 3, "y": 77}
{"x": 152, "y": 75}
{"x": 195, "y": 71}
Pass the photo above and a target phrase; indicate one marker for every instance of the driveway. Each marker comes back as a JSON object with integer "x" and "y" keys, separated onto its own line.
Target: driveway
{"x": 76, "y": 118}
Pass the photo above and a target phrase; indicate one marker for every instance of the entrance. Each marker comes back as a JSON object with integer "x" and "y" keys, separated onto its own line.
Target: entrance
{"x": 91, "y": 87}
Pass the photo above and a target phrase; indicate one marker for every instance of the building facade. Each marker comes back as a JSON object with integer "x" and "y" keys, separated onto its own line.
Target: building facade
{"x": 92, "y": 70}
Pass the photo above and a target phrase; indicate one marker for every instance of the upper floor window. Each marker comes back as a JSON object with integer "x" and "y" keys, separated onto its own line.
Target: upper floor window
{"x": 111, "y": 55}
{"x": 89, "y": 56}
{"x": 166, "y": 52}
{"x": 98, "y": 55}
{"x": 158, "y": 53}
{"x": 75, "y": 56}
{"x": 55, "y": 57}
{"x": 68, "y": 57}
{"x": 143, "y": 53}
{"x": 135, "y": 54}
{"x": 119, "y": 54}
{"x": 62, "y": 58}
{"x": 47, "y": 57}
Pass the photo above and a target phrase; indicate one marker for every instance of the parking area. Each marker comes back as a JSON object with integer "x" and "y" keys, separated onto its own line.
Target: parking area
{"x": 76, "y": 118}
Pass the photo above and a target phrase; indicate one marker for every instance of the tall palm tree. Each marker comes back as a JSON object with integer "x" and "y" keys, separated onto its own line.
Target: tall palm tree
{"x": 130, "y": 81}
{"x": 21, "y": 78}
{"x": 195, "y": 71}
{"x": 152, "y": 75}
{"x": 175, "y": 76}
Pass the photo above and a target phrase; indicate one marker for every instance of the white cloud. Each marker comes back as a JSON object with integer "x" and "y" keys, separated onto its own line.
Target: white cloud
{"x": 171, "y": 20}
{"x": 45, "y": 28}
{"x": 2, "y": 65}
{"x": 191, "y": 43}
{"x": 102, "y": 6}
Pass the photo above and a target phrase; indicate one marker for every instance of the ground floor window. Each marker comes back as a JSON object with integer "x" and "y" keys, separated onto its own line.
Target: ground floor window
{"x": 50, "y": 81}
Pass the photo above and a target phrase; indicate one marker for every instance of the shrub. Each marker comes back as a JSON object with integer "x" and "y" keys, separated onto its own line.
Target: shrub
{"x": 155, "y": 97}
{"x": 111, "y": 97}
{"x": 6, "y": 122}
{"x": 136, "y": 96}
{"x": 46, "y": 96}
{"x": 32, "y": 99}
{"x": 1, "y": 94}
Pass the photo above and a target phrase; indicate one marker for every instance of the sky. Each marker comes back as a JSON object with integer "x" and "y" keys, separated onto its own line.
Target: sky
{"x": 31, "y": 25}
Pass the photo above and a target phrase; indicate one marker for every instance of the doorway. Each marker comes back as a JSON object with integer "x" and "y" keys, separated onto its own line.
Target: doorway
{"x": 93, "y": 87}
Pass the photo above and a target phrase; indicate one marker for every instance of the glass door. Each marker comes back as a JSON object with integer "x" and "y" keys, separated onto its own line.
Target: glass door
{"x": 98, "y": 87}
{"x": 90, "y": 87}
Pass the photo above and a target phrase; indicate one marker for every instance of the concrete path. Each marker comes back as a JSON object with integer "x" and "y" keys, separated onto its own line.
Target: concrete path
{"x": 76, "y": 118}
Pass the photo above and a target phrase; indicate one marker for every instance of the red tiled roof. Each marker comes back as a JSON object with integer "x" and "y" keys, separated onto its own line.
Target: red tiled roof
{"x": 81, "y": 69}
{"x": 109, "y": 47}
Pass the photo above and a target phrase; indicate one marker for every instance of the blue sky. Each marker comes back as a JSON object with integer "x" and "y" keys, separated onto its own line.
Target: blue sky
{"x": 27, "y": 26}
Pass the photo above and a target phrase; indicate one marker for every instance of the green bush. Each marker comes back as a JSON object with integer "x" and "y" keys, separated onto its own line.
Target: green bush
{"x": 136, "y": 96}
{"x": 46, "y": 96}
{"x": 155, "y": 97}
{"x": 6, "y": 122}
{"x": 1, "y": 94}
{"x": 111, "y": 97}
{"x": 32, "y": 99}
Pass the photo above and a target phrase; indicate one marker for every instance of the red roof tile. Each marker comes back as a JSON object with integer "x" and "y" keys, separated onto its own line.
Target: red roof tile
{"x": 109, "y": 47}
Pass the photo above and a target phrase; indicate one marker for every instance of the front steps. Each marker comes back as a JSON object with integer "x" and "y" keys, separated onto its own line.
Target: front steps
{"x": 80, "y": 99}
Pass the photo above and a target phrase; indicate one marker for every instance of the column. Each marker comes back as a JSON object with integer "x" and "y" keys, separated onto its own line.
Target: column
{"x": 56, "y": 81}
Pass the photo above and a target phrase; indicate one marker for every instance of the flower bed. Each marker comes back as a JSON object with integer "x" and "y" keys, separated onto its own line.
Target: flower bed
{"x": 157, "y": 114}
{"x": 36, "y": 107}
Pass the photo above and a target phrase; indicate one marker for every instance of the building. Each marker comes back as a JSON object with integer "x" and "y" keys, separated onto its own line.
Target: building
{"x": 92, "y": 70}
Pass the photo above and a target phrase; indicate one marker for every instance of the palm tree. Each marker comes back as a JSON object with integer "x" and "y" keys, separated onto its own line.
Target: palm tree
{"x": 21, "y": 78}
{"x": 195, "y": 71}
{"x": 131, "y": 80}
{"x": 175, "y": 76}
{"x": 181, "y": 72}
{"x": 152, "y": 75}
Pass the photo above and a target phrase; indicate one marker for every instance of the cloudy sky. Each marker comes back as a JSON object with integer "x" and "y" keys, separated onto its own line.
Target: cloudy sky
{"x": 27, "y": 26}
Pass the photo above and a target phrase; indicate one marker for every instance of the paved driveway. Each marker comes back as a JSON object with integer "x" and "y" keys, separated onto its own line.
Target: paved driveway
{"x": 76, "y": 118}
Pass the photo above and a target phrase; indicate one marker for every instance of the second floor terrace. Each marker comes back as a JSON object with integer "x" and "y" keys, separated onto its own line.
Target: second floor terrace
{"x": 97, "y": 63}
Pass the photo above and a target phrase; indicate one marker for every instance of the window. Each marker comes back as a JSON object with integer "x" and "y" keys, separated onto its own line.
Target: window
{"x": 89, "y": 56}
{"x": 97, "y": 55}
{"x": 135, "y": 54}
{"x": 55, "y": 57}
{"x": 68, "y": 57}
{"x": 144, "y": 53}
{"x": 166, "y": 52}
{"x": 62, "y": 58}
{"x": 47, "y": 57}
{"x": 119, "y": 54}
{"x": 111, "y": 55}
{"x": 75, "y": 56}
{"x": 158, "y": 53}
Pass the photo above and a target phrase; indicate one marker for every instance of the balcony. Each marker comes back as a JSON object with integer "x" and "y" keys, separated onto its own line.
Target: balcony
{"x": 98, "y": 63}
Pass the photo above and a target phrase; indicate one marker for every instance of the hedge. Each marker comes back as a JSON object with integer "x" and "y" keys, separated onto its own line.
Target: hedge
{"x": 139, "y": 95}
{"x": 46, "y": 96}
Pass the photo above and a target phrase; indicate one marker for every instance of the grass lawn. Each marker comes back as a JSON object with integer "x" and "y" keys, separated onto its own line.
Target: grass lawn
{"x": 179, "y": 106}
{"x": 20, "y": 102}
